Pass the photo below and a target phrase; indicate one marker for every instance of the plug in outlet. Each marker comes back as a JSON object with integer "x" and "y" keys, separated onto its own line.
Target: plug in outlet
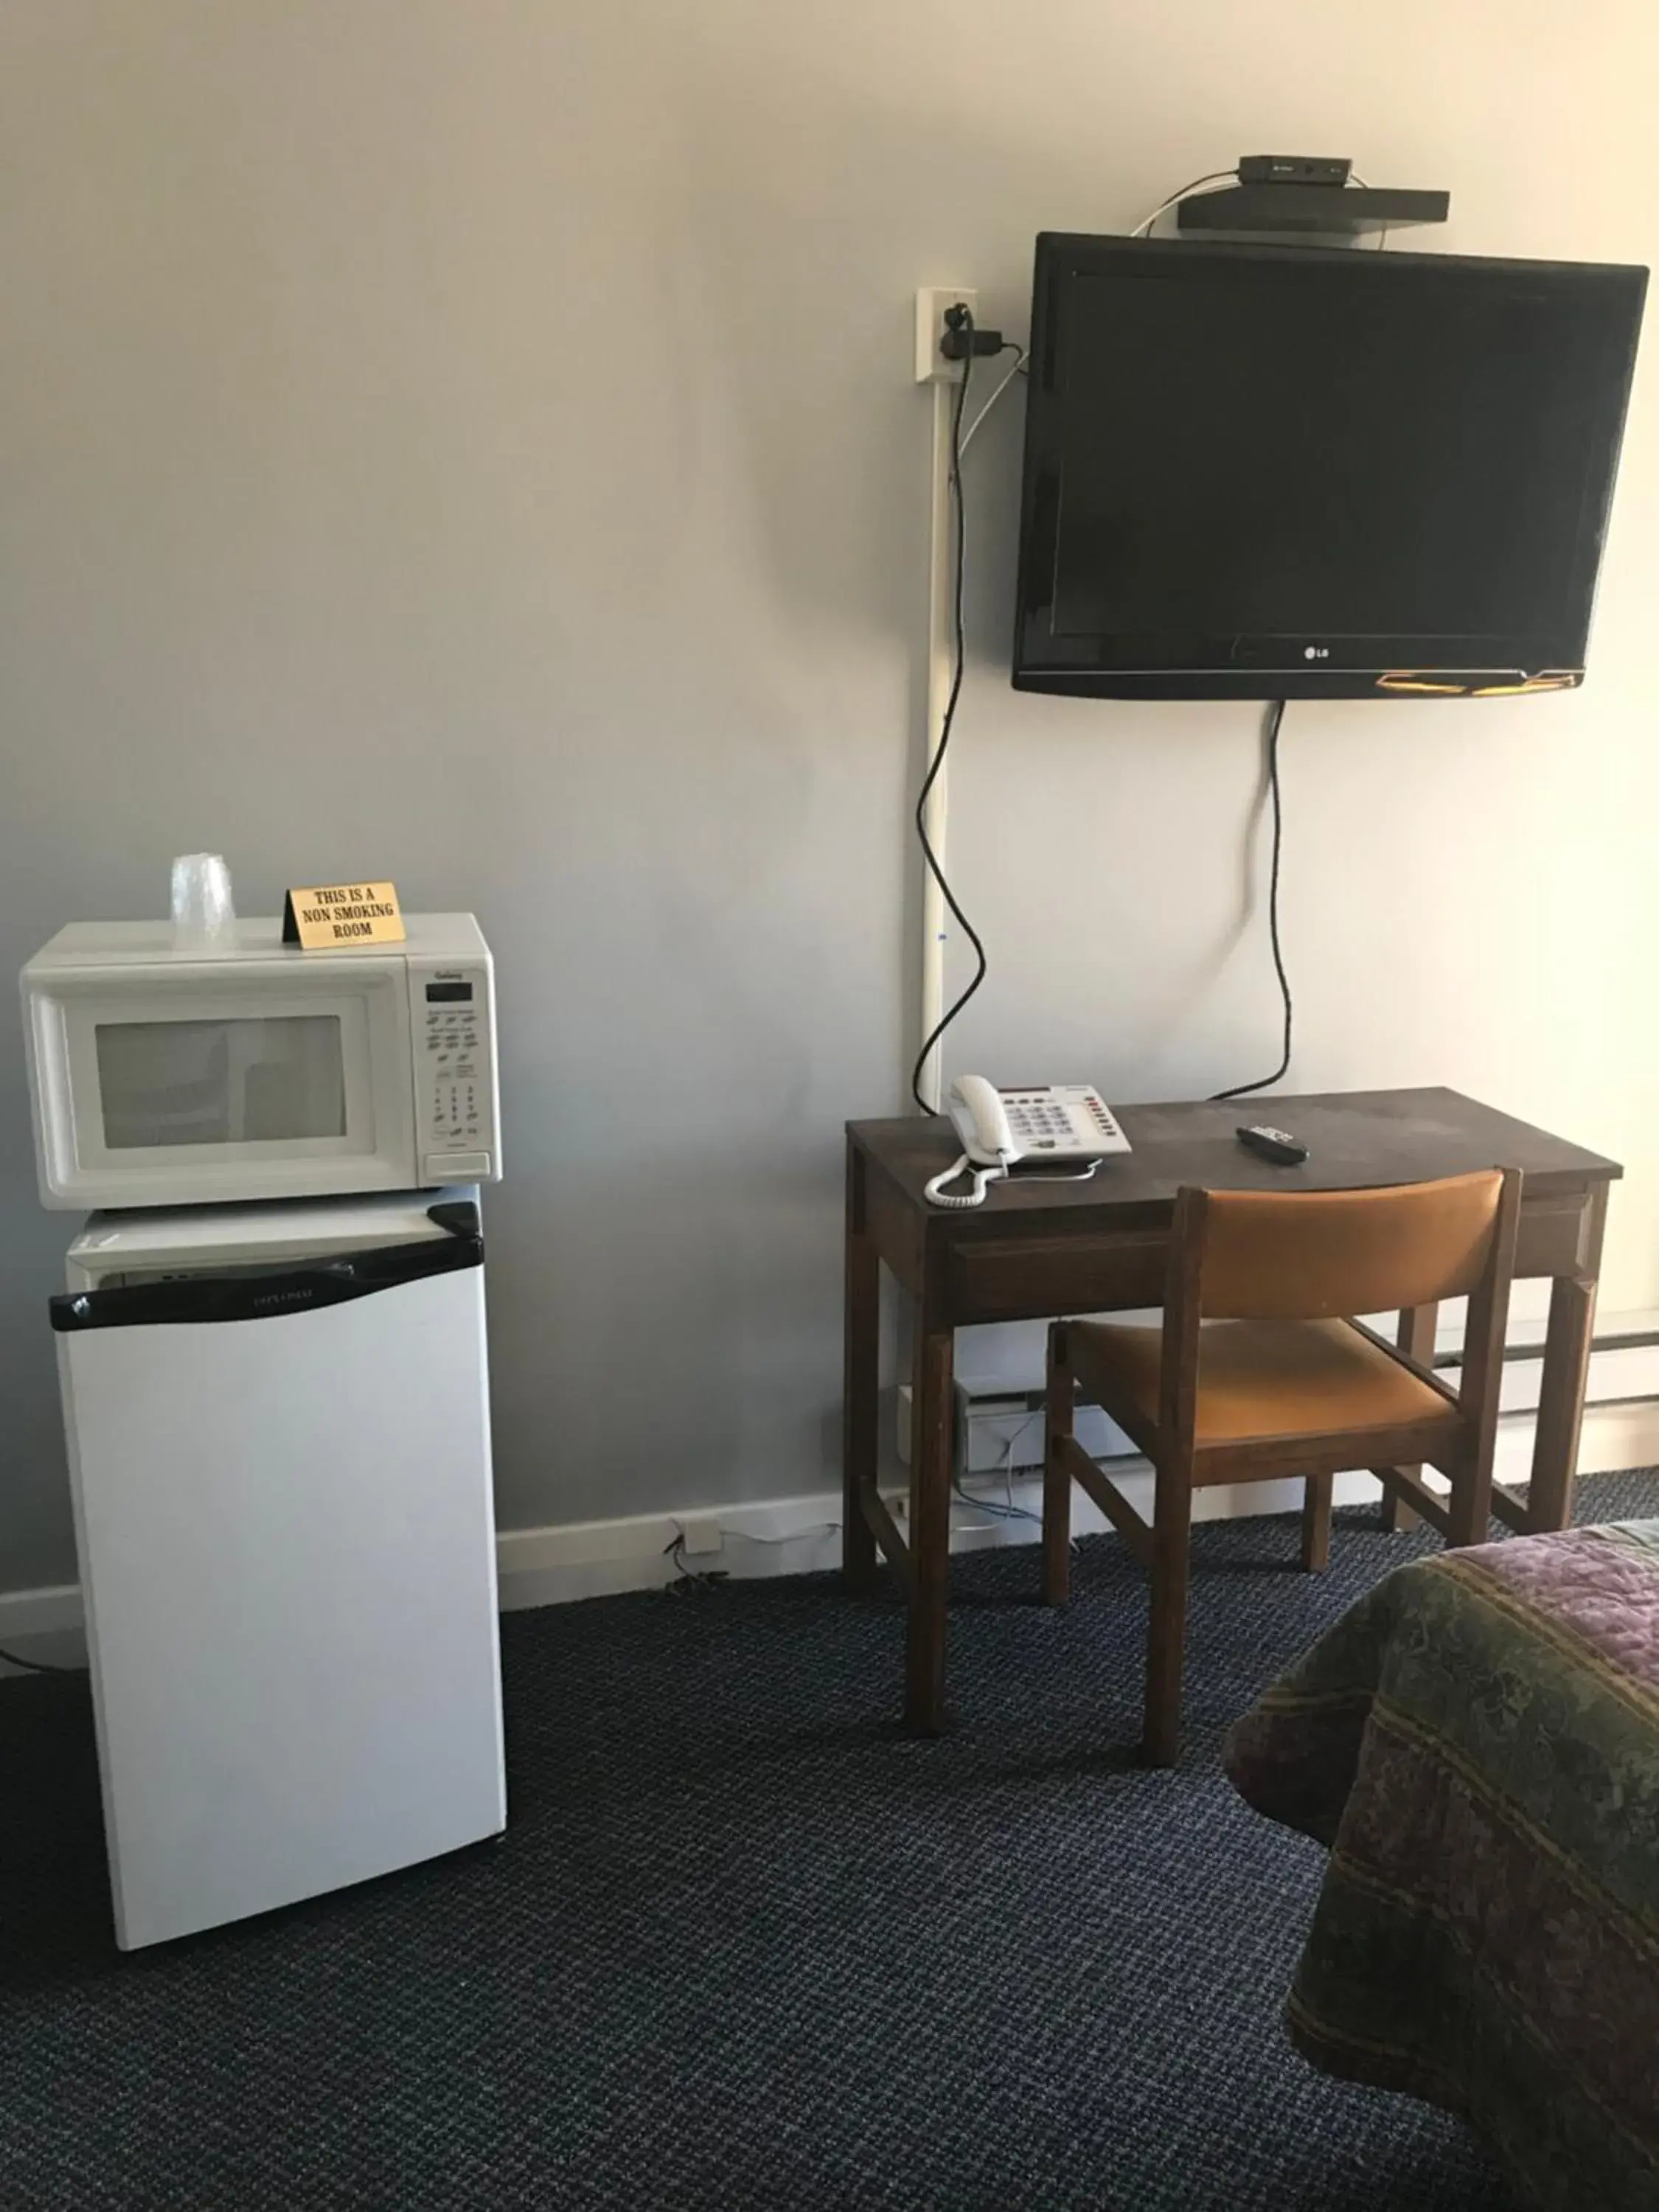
{"x": 931, "y": 300}
{"x": 700, "y": 1534}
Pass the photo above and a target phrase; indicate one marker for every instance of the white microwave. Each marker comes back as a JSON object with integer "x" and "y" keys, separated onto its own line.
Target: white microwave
{"x": 170, "y": 1075}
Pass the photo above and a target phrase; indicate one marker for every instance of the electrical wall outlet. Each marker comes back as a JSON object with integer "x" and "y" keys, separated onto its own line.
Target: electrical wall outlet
{"x": 700, "y": 1533}
{"x": 931, "y": 300}
{"x": 995, "y": 1432}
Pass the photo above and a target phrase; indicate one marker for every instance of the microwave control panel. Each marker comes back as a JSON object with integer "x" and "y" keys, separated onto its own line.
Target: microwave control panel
{"x": 453, "y": 1018}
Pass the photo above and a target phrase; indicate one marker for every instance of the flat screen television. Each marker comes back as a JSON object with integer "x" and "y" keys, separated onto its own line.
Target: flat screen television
{"x": 1262, "y": 471}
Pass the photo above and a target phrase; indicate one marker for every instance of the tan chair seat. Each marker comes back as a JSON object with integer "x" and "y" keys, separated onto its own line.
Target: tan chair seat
{"x": 1265, "y": 1378}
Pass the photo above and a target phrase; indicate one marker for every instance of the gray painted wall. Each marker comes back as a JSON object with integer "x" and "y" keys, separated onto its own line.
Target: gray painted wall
{"x": 475, "y": 446}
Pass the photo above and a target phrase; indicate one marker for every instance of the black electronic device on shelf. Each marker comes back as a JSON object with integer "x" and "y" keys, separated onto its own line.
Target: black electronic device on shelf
{"x": 1294, "y": 168}
{"x": 1264, "y": 471}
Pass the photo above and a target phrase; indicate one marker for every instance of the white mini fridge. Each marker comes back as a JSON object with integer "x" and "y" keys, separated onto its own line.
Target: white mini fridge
{"x": 279, "y": 1443}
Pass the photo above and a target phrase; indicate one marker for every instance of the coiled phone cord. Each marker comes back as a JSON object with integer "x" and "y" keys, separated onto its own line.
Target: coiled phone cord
{"x": 936, "y": 1194}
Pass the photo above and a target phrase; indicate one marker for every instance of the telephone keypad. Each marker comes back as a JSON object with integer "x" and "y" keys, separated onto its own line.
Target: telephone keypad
{"x": 1072, "y": 1119}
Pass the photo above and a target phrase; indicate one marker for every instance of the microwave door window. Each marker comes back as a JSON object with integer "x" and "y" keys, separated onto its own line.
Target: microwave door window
{"x": 285, "y": 1087}
{"x": 269, "y": 1080}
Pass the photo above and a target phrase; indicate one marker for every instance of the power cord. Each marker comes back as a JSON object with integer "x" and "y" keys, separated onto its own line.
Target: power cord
{"x": 963, "y": 324}
{"x": 1008, "y": 1510}
{"x": 1275, "y": 718}
{"x": 974, "y": 428}
{"x": 964, "y": 347}
{"x": 690, "y": 1581}
{"x": 1355, "y": 179}
{"x": 989, "y": 1506}
{"x": 1213, "y": 177}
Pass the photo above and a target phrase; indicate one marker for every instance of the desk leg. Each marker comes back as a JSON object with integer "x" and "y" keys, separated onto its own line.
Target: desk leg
{"x": 861, "y": 1348}
{"x": 1561, "y": 1405}
{"x": 930, "y": 1526}
{"x": 1566, "y": 1375}
{"x": 1416, "y": 1337}
{"x": 1166, "y": 1643}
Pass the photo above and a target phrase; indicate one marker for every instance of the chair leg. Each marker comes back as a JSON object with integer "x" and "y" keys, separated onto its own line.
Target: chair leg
{"x": 1470, "y": 1508}
{"x": 1397, "y": 1516}
{"x": 1056, "y": 1482}
{"x": 1418, "y": 1333}
{"x": 1316, "y": 1523}
{"x": 1172, "y": 1524}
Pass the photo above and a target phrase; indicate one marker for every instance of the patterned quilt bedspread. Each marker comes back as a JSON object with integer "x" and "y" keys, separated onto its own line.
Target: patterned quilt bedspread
{"x": 1477, "y": 1743}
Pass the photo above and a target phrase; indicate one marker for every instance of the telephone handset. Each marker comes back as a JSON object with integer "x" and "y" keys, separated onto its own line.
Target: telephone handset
{"x": 1066, "y": 1122}
{"x": 981, "y": 1118}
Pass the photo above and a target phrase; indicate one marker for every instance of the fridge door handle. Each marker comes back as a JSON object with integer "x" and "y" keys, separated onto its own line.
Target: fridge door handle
{"x": 270, "y": 1295}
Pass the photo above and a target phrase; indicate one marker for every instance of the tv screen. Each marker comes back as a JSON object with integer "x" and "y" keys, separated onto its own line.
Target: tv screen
{"x": 1262, "y": 471}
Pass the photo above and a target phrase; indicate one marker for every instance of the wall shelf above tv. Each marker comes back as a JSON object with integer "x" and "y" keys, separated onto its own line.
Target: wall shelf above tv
{"x": 1321, "y": 210}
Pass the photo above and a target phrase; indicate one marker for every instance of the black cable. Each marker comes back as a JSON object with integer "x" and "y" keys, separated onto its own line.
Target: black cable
{"x": 38, "y": 1666}
{"x": 690, "y": 1580}
{"x": 938, "y": 761}
{"x": 998, "y": 390}
{"x": 1275, "y": 717}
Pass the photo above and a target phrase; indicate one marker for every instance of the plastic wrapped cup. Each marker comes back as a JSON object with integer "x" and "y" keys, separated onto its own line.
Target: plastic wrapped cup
{"x": 202, "y": 912}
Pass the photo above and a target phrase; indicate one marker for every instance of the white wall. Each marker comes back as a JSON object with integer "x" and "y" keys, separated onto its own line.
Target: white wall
{"x": 475, "y": 444}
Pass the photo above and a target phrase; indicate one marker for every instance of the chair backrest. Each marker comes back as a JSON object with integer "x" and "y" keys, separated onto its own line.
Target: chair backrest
{"x": 1312, "y": 1256}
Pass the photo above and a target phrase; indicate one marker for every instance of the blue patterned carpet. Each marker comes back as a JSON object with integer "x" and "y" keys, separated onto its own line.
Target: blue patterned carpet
{"x": 744, "y": 1946}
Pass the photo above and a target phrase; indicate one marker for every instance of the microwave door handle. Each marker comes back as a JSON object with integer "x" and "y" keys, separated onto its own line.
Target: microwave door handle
{"x": 271, "y": 1296}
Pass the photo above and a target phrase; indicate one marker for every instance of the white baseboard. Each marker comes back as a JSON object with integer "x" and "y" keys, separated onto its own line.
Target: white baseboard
{"x": 794, "y": 1536}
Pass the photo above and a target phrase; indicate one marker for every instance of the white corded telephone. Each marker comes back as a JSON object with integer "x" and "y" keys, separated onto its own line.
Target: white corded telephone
{"x": 1057, "y": 1122}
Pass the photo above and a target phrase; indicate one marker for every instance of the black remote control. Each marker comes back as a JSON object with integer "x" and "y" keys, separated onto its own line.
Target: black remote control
{"x": 1278, "y": 1145}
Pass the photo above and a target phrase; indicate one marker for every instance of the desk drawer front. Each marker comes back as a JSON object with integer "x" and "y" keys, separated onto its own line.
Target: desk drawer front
{"x": 1028, "y": 1278}
{"x": 1549, "y": 1236}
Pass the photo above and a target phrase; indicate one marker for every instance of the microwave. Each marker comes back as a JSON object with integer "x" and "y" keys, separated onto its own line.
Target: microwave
{"x": 164, "y": 1073}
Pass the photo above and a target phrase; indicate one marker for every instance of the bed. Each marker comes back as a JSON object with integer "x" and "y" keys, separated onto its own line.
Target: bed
{"x": 1477, "y": 1744}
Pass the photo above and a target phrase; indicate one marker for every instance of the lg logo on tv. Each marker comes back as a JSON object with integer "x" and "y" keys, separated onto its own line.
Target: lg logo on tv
{"x": 1316, "y": 652}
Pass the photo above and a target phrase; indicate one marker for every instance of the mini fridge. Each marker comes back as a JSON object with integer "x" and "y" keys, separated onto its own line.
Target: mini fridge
{"x": 279, "y": 1445}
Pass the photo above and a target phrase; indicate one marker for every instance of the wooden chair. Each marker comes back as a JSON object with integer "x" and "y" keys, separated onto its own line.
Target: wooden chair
{"x": 1277, "y": 1382}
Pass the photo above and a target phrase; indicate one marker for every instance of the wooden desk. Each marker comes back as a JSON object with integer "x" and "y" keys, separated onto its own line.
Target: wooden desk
{"x": 1034, "y": 1250}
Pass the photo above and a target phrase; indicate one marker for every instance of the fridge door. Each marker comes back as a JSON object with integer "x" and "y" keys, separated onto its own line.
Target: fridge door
{"x": 282, "y": 1505}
